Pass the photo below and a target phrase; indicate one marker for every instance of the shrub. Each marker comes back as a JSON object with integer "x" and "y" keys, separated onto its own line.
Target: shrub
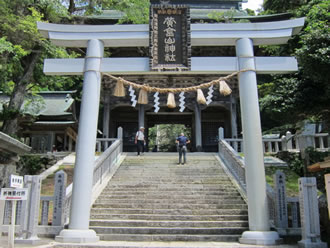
{"x": 32, "y": 164}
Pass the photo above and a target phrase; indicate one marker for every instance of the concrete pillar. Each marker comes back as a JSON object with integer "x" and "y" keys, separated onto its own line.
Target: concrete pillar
{"x": 141, "y": 115}
{"x": 79, "y": 231}
{"x": 252, "y": 141}
{"x": 198, "y": 127}
{"x": 30, "y": 215}
{"x": 309, "y": 214}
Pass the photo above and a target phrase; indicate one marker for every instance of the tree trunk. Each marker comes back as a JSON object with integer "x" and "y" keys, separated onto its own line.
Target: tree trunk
{"x": 10, "y": 125}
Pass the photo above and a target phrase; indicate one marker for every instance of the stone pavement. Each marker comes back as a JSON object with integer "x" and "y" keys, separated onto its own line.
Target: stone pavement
{"x": 50, "y": 243}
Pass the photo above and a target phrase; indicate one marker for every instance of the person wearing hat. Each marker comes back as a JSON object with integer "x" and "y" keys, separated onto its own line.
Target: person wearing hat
{"x": 139, "y": 140}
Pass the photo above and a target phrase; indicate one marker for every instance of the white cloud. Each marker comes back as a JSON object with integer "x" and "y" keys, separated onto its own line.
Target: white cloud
{"x": 253, "y": 4}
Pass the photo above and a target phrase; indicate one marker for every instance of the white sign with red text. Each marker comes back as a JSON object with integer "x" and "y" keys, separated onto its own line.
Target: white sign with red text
{"x": 11, "y": 194}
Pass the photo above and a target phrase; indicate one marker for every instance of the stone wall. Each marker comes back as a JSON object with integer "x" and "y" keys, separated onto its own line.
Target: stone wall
{"x": 10, "y": 149}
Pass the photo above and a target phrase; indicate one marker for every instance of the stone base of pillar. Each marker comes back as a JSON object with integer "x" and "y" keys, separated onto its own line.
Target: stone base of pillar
{"x": 77, "y": 236}
{"x": 308, "y": 243}
{"x": 199, "y": 149}
{"x": 260, "y": 238}
{"x": 30, "y": 241}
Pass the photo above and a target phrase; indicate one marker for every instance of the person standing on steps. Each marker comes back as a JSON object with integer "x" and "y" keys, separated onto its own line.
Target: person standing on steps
{"x": 182, "y": 142}
{"x": 140, "y": 141}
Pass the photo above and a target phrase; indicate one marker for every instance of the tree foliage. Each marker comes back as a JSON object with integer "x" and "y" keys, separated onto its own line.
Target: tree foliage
{"x": 306, "y": 94}
{"x": 136, "y": 11}
{"x": 281, "y": 6}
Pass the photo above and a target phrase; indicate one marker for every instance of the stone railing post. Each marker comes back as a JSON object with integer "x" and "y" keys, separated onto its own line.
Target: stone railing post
{"x": 30, "y": 214}
{"x": 309, "y": 213}
{"x": 221, "y": 133}
{"x": 284, "y": 143}
{"x": 59, "y": 198}
{"x": 281, "y": 206}
{"x": 121, "y": 137}
{"x": 288, "y": 140}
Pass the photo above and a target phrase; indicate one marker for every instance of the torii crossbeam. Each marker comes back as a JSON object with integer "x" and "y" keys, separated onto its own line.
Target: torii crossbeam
{"x": 242, "y": 35}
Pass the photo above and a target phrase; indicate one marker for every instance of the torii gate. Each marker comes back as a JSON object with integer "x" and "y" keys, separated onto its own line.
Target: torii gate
{"x": 243, "y": 35}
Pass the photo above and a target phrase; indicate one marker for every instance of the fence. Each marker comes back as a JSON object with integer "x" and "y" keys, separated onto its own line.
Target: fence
{"x": 283, "y": 211}
{"x": 289, "y": 142}
{"x": 28, "y": 212}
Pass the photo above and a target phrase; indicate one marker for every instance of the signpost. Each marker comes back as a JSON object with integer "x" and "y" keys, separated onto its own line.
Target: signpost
{"x": 318, "y": 167}
{"x": 327, "y": 187}
{"x": 14, "y": 194}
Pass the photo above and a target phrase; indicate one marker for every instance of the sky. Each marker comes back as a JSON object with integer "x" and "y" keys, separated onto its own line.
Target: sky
{"x": 253, "y": 4}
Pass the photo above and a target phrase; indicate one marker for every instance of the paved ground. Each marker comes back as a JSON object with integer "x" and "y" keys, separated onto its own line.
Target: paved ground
{"x": 49, "y": 243}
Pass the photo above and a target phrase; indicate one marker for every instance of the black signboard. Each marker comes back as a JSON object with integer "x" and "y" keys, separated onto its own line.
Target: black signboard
{"x": 170, "y": 47}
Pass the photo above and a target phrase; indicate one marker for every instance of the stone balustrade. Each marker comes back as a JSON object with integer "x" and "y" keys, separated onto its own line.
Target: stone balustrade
{"x": 283, "y": 211}
{"x": 289, "y": 142}
{"x": 60, "y": 202}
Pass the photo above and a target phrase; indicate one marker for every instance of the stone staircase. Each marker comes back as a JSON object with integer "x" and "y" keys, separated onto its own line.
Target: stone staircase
{"x": 151, "y": 198}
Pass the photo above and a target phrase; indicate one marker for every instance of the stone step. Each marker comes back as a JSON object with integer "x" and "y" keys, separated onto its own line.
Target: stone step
{"x": 169, "y": 206}
{"x": 174, "y": 169}
{"x": 151, "y": 198}
{"x": 169, "y": 238}
{"x": 191, "y": 185}
{"x": 173, "y": 212}
{"x": 156, "y": 196}
{"x": 167, "y": 201}
{"x": 144, "y": 169}
{"x": 171, "y": 230}
{"x": 174, "y": 192}
{"x": 164, "y": 217}
{"x": 171, "y": 187}
{"x": 190, "y": 180}
{"x": 167, "y": 223}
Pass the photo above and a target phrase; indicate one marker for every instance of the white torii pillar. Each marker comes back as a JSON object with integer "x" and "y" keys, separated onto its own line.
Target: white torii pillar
{"x": 79, "y": 231}
{"x": 254, "y": 156}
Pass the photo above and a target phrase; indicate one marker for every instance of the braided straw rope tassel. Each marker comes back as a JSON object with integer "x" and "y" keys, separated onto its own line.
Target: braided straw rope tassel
{"x": 200, "y": 97}
{"x": 171, "y": 100}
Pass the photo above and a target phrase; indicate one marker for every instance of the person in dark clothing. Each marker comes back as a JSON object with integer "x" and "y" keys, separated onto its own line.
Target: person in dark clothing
{"x": 182, "y": 142}
{"x": 140, "y": 141}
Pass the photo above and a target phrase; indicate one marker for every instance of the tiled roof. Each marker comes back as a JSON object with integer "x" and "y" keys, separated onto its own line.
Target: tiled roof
{"x": 45, "y": 103}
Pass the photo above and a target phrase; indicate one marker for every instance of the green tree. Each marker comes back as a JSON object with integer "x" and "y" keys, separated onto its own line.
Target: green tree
{"x": 281, "y": 6}
{"x": 136, "y": 11}
{"x": 306, "y": 94}
{"x": 22, "y": 49}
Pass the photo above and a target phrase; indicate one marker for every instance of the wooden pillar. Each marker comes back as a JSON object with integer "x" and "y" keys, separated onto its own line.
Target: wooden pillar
{"x": 198, "y": 127}
{"x": 233, "y": 113}
{"x": 106, "y": 120}
{"x": 106, "y": 116}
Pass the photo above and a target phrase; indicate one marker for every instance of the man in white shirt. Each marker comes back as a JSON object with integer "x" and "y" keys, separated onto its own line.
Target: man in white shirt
{"x": 139, "y": 140}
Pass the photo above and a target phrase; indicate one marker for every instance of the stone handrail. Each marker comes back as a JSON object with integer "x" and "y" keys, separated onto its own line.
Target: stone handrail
{"x": 235, "y": 165}
{"x": 230, "y": 157}
{"x": 103, "y": 143}
{"x": 104, "y": 167}
{"x": 288, "y": 142}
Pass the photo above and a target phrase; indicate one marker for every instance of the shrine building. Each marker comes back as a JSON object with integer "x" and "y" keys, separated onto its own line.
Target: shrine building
{"x": 202, "y": 120}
